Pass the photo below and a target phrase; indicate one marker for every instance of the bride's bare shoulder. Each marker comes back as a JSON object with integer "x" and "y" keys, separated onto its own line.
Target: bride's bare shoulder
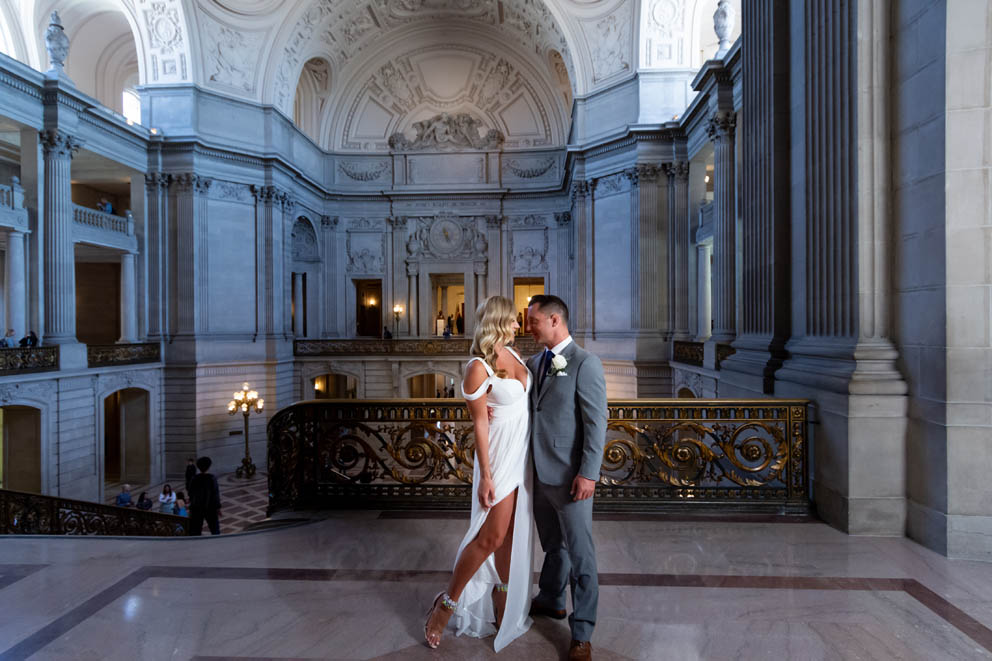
{"x": 475, "y": 375}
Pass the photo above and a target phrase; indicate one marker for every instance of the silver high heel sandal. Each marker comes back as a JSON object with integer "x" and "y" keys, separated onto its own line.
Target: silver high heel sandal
{"x": 448, "y": 604}
{"x": 499, "y": 591}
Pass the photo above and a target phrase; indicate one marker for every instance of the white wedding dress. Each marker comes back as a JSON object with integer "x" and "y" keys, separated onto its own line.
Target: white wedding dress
{"x": 509, "y": 461}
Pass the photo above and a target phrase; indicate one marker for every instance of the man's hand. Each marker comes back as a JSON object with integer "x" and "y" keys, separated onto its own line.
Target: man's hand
{"x": 582, "y": 488}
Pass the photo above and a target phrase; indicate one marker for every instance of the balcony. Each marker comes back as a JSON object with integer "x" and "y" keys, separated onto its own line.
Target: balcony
{"x": 104, "y": 229}
{"x": 13, "y": 215}
{"x": 434, "y": 346}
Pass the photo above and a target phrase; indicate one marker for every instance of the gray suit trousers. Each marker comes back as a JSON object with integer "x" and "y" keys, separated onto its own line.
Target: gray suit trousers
{"x": 565, "y": 529}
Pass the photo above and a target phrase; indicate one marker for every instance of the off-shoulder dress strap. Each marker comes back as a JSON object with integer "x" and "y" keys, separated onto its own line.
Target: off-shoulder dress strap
{"x": 516, "y": 355}
{"x": 485, "y": 384}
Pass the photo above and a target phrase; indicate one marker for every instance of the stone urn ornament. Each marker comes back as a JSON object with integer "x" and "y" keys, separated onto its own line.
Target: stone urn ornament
{"x": 57, "y": 45}
{"x": 723, "y": 25}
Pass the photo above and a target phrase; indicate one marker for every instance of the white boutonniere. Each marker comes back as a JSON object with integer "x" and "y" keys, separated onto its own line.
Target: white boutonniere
{"x": 558, "y": 365}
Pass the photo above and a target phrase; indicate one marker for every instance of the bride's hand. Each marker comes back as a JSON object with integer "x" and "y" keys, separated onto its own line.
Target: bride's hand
{"x": 487, "y": 492}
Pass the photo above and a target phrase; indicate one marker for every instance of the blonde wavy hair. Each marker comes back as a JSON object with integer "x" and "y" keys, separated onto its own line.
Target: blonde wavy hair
{"x": 493, "y": 328}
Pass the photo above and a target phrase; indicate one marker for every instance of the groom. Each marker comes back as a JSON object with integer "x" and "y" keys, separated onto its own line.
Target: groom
{"x": 568, "y": 431}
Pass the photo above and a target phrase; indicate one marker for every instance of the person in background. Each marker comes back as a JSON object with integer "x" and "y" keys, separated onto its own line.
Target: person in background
{"x": 124, "y": 497}
{"x": 386, "y": 334}
{"x": 166, "y": 500}
{"x": 180, "y": 507}
{"x": 144, "y": 502}
{"x": 190, "y": 471}
{"x": 29, "y": 340}
{"x": 8, "y": 339}
{"x": 204, "y": 500}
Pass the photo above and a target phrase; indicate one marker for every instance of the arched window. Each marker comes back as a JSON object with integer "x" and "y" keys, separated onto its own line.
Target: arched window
{"x": 311, "y": 94}
{"x": 131, "y": 105}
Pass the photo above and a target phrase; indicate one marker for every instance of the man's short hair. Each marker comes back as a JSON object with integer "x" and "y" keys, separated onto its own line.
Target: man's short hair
{"x": 203, "y": 463}
{"x": 550, "y": 304}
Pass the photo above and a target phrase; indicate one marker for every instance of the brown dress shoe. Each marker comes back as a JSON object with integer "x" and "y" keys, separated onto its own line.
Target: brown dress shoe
{"x": 537, "y": 610}
{"x": 581, "y": 650}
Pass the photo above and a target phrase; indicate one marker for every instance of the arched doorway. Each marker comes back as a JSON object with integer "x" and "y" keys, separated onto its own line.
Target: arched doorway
{"x": 686, "y": 393}
{"x": 335, "y": 386}
{"x": 126, "y": 442}
{"x": 432, "y": 385}
{"x": 20, "y": 440}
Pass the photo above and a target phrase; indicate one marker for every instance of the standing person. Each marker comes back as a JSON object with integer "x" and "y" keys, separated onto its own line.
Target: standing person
{"x": 8, "y": 339}
{"x": 204, "y": 500}
{"x": 144, "y": 502}
{"x": 491, "y": 580}
{"x": 180, "y": 507}
{"x": 166, "y": 500}
{"x": 568, "y": 434}
{"x": 190, "y": 472}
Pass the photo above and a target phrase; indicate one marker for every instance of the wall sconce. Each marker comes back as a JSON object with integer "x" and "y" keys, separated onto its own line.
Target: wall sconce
{"x": 397, "y": 311}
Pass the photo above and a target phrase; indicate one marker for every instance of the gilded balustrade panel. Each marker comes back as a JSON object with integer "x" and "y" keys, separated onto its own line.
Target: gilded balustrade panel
{"x": 102, "y": 355}
{"x": 21, "y": 360}
{"x": 660, "y": 454}
{"x": 690, "y": 353}
{"x": 35, "y": 514}
{"x": 455, "y": 347}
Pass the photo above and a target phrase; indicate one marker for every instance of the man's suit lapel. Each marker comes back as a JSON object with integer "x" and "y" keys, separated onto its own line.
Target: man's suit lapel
{"x": 569, "y": 353}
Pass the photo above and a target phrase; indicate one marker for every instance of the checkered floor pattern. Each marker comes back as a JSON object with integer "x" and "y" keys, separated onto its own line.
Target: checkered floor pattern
{"x": 243, "y": 500}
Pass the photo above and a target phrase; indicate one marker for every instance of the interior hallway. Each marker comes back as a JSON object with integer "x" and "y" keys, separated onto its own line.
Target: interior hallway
{"x": 357, "y": 585}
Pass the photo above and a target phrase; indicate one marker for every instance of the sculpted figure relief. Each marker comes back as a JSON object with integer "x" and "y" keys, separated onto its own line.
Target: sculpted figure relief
{"x": 447, "y": 132}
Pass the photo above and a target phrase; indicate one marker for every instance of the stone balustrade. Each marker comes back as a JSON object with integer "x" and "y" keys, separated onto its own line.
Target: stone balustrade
{"x": 22, "y": 360}
{"x": 524, "y": 345}
{"x": 100, "y": 355}
{"x": 103, "y": 221}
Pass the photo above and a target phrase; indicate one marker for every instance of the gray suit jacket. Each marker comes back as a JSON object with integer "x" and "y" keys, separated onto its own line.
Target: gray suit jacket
{"x": 568, "y": 418}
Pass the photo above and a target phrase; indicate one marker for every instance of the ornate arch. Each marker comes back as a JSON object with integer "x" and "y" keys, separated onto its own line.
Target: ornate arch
{"x": 311, "y": 370}
{"x": 38, "y": 395}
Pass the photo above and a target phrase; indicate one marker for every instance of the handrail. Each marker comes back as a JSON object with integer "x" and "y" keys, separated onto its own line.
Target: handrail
{"x": 748, "y": 455}
{"x": 434, "y": 346}
{"x": 102, "y": 355}
{"x": 34, "y": 514}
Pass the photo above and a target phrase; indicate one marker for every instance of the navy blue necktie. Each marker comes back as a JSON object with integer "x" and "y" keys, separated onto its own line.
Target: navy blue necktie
{"x": 545, "y": 365}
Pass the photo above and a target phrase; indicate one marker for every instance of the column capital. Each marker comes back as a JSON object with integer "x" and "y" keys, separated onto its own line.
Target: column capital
{"x": 329, "y": 222}
{"x": 677, "y": 170}
{"x": 59, "y": 144}
{"x": 721, "y": 125}
{"x": 563, "y": 218}
{"x": 493, "y": 222}
{"x": 270, "y": 194}
{"x": 412, "y": 268}
{"x": 288, "y": 201}
{"x": 396, "y": 222}
{"x": 643, "y": 173}
{"x": 156, "y": 180}
{"x": 581, "y": 188}
{"x": 481, "y": 268}
{"x": 189, "y": 182}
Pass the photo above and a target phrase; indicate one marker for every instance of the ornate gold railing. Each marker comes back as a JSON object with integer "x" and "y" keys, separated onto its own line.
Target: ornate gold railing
{"x": 660, "y": 454}
{"x": 101, "y": 355}
{"x": 455, "y": 347}
{"x": 690, "y": 353}
{"x": 19, "y": 360}
{"x": 34, "y": 514}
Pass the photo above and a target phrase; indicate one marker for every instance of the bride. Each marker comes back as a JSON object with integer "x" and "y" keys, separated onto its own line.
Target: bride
{"x": 489, "y": 590}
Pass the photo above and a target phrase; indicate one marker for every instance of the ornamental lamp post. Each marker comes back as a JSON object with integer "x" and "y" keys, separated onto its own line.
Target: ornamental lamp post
{"x": 397, "y": 311}
{"x": 244, "y": 402}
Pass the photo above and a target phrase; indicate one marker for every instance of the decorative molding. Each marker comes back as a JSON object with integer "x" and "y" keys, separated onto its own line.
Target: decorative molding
{"x": 362, "y": 171}
{"x": 529, "y": 251}
{"x": 364, "y": 224}
{"x": 530, "y": 169}
{"x": 609, "y": 40}
{"x": 39, "y": 391}
{"x": 304, "y": 242}
{"x": 530, "y": 220}
{"x": 446, "y": 237}
{"x": 187, "y": 182}
{"x": 329, "y": 222}
{"x": 612, "y": 184}
{"x": 227, "y": 190}
{"x": 230, "y": 57}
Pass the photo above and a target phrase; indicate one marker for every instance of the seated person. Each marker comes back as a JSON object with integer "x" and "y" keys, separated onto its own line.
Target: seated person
{"x": 144, "y": 502}
{"x": 124, "y": 497}
{"x": 29, "y": 340}
{"x": 7, "y": 340}
{"x": 180, "y": 507}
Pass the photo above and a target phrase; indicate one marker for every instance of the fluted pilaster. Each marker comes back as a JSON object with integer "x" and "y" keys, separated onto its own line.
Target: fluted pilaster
{"x": 678, "y": 249}
{"x": 721, "y": 131}
{"x": 582, "y": 217}
{"x": 60, "y": 266}
{"x": 157, "y": 255}
{"x": 648, "y": 262}
{"x": 328, "y": 235}
{"x": 191, "y": 259}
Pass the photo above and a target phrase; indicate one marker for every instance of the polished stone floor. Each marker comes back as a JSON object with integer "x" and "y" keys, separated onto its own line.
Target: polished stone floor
{"x": 356, "y": 585}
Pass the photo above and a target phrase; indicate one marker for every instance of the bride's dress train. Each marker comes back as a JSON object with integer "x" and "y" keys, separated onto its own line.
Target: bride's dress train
{"x": 509, "y": 459}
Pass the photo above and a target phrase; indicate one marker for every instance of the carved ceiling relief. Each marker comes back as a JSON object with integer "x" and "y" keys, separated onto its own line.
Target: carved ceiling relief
{"x": 402, "y": 99}
{"x": 167, "y": 48}
{"x": 609, "y": 39}
{"x": 346, "y": 29}
{"x": 662, "y": 33}
{"x": 230, "y": 56}
{"x": 304, "y": 242}
{"x": 365, "y": 247}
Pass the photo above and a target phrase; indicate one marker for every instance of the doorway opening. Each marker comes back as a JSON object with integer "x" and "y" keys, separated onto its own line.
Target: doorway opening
{"x": 335, "y": 386}
{"x": 432, "y": 385}
{"x": 20, "y": 448}
{"x": 523, "y": 290}
{"x": 369, "y": 313}
{"x": 448, "y": 298}
{"x": 126, "y": 442}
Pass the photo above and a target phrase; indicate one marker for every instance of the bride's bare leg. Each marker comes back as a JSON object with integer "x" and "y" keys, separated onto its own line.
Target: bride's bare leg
{"x": 502, "y": 558}
{"x": 489, "y": 539}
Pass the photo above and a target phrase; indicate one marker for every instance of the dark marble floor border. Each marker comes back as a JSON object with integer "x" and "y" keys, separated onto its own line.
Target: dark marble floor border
{"x": 625, "y": 516}
{"x": 12, "y": 573}
{"x": 944, "y": 609}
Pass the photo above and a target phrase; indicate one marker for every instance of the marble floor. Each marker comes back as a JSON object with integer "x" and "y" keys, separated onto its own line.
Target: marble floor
{"x": 356, "y": 585}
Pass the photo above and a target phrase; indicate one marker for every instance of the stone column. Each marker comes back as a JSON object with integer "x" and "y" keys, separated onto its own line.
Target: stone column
{"x": 60, "y": 262}
{"x": 129, "y": 299}
{"x": 413, "y": 300}
{"x": 266, "y": 198}
{"x": 582, "y": 215}
{"x": 648, "y": 255}
{"x": 765, "y": 203}
{"x": 298, "y": 305}
{"x": 678, "y": 214}
{"x": 565, "y": 257}
{"x": 283, "y": 266}
{"x": 704, "y": 301}
{"x": 15, "y": 284}
{"x": 721, "y": 131}
{"x": 329, "y": 274}
{"x": 157, "y": 257}
{"x": 480, "y": 295}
